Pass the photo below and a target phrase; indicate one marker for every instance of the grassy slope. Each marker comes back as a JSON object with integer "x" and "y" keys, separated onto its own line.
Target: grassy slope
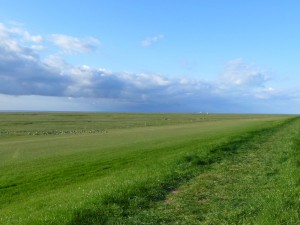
{"x": 106, "y": 177}
{"x": 261, "y": 185}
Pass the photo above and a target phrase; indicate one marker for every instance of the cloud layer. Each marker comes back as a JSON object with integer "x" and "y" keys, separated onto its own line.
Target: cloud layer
{"x": 23, "y": 72}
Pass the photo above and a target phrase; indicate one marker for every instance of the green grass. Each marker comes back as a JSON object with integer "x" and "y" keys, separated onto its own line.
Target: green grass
{"x": 260, "y": 185}
{"x": 77, "y": 168}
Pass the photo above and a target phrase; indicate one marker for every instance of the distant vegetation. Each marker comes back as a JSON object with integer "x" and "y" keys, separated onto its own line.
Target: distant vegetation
{"x": 113, "y": 168}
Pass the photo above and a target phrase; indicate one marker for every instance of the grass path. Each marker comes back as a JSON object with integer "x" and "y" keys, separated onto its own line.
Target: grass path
{"x": 260, "y": 185}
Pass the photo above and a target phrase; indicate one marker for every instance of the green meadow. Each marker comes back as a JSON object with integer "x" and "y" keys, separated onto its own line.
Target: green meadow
{"x": 125, "y": 168}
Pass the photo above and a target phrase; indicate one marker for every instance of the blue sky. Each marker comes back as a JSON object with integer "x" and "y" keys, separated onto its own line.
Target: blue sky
{"x": 150, "y": 56}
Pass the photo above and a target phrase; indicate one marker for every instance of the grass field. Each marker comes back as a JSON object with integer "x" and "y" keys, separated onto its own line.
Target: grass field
{"x": 110, "y": 168}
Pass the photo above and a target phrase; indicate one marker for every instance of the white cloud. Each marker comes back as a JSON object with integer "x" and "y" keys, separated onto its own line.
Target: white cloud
{"x": 241, "y": 74}
{"x": 13, "y": 40}
{"x": 31, "y": 38}
{"x": 71, "y": 45}
{"x": 37, "y": 47}
{"x": 151, "y": 40}
{"x": 6, "y": 32}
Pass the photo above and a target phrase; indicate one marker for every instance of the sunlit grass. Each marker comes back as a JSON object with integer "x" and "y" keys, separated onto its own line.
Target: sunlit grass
{"x": 111, "y": 177}
{"x": 258, "y": 186}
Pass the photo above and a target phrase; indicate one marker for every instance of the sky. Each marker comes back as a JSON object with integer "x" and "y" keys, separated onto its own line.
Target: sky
{"x": 216, "y": 56}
